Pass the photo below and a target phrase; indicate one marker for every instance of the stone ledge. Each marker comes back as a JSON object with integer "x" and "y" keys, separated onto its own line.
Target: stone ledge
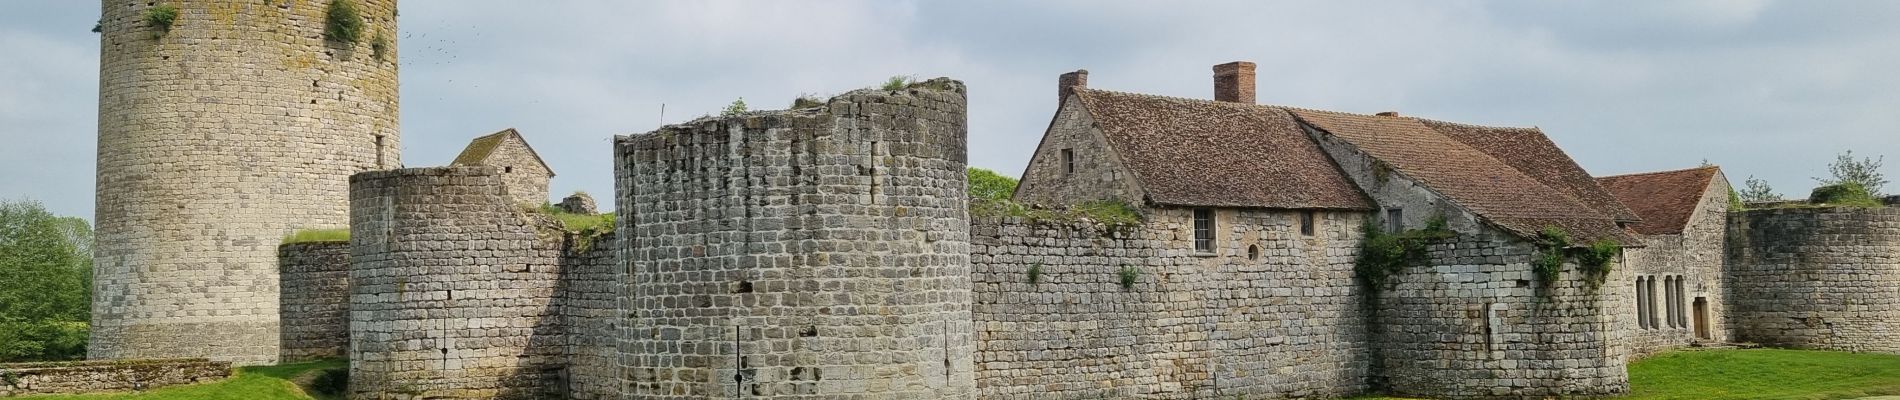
{"x": 107, "y": 375}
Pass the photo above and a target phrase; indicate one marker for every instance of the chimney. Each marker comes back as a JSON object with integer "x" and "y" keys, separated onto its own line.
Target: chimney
{"x": 1388, "y": 114}
{"x": 1233, "y": 82}
{"x": 1067, "y": 84}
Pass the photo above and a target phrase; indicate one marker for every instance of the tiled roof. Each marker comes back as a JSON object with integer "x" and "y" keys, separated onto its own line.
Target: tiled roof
{"x": 483, "y": 146}
{"x": 1532, "y": 153}
{"x": 1189, "y": 152}
{"x": 1492, "y": 188}
{"x": 1664, "y": 199}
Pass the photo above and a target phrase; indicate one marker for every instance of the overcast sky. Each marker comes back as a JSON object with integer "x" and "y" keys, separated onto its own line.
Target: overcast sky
{"x": 1763, "y": 88}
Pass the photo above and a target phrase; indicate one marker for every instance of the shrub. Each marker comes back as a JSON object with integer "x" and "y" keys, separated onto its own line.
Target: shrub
{"x": 332, "y": 382}
{"x": 379, "y": 46}
{"x": 807, "y": 100}
{"x": 898, "y": 82}
{"x": 1594, "y": 261}
{"x": 342, "y": 22}
{"x": 988, "y": 185}
{"x": 1548, "y": 262}
{"x": 737, "y": 107}
{"x": 1844, "y": 194}
{"x": 1864, "y": 172}
{"x": 1035, "y": 273}
{"x": 1383, "y": 255}
{"x": 318, "y": 235}
{"x": 1128, "y": 275}
{"x": 161, "y": 17}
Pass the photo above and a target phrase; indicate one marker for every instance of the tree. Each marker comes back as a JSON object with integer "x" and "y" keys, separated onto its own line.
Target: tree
{"x": 1864, "y": 172}
{"x": 46, "y": 298}
{"x": 1756, "y": 190}
{"x": 737, "y": 107}
{"x": 988, "y": 185}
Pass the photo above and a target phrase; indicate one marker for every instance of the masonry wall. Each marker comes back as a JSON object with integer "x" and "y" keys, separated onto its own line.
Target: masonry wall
{"x": 1816, "y": 278}
{"x": 237, "y": 126}
{"x": 1475, "y": 322}
{"x": 1288, "y": 323}
{"x": 1698, "y": 255}
{"x": 526, "y": 177}
{"x": 315, "y": 300}
{"x": 1098, "y": 171}
{"x": 453, "y": 288}
{"x": 591, "y": 279}
{"x": 812, "y": 253}
{"x": 107, "y": 376}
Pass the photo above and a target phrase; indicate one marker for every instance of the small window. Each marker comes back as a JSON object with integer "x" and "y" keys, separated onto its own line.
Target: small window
{"x": 1203, "y": 230}
{"x": 1306, "y": 223}
{"x": 509, "y": 169}
{"x": 1253, "y": 252}
{"x": 1395, "y": 220}
{"x": 1068, "y": 161}
{"x": 379, "y": 152}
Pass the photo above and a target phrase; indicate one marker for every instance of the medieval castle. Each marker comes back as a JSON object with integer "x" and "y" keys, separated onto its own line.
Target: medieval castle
{"x": 830, "y": 251}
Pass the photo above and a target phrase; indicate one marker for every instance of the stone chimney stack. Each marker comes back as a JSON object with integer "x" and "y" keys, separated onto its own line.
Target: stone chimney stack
{"x": 1233, "y": 82}
{"x": 1068, "y": 83}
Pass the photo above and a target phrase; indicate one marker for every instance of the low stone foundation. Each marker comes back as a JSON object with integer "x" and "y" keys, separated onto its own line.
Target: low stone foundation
{"x": 107, "y": 375}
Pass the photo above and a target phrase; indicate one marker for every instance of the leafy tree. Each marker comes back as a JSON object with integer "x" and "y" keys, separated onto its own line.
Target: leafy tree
{"x": 988, "y": 185}
{"x": 1757, "y": 190}
{"x": 737, "y": 107}
{"x": 46, "y": 268}
{"x": 1864, "y": 172}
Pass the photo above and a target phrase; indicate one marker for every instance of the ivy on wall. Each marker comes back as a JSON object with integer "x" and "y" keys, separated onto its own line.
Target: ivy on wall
{"x": 1554, "y": 247}
{"x": 1383, "y": 255}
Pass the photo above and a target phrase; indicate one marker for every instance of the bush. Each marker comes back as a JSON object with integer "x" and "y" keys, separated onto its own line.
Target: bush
{"x": 737, "y": 107}
{"x": 896, "y": 83}
{"x": 379, "y": 46}
{"x": 161, "y": 17}
{"x": 44, "y": 340}
{"x": 807, "y": 101}
{"x": 1844, "y": 194}
{"x": 342, "y": 22}
{"x": 988, "y": 185}
{"x": 1383, "y": 255}
{"x": 332, "y": 382}
{"x": 1035, "y": 273}
{"x": 1128, "y": 275}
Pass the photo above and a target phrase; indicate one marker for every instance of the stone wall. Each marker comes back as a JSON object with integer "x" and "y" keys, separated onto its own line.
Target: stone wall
{"x": 453, "y": 288}
{"x": 315, "y": 300}
{"x": 1697, "y": 256}
{"x": 812, "y": 253}
{"x": 590, "y": 283}
{"x": 107, "y": 376}
{"x": 216, "y": 138}
{"x": 1271, "y": 314}
{"x": 1816, "y": 278}
{"x": 522, "y": 170}
{"x": 1098, "y": 172}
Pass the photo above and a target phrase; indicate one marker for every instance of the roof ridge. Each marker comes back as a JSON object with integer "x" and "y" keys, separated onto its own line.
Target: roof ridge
{"x": 1673, "y": 171}
{"x": 1533, "y": 127}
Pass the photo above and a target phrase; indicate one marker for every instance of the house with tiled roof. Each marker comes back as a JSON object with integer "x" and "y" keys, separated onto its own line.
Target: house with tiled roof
{"x": 1238, "y": 184}
{"x": 524, "y": 174}
{"x": 1676, "y": 281}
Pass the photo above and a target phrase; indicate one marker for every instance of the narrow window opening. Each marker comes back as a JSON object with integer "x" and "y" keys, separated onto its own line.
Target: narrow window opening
{"x": 507, "y": 169}
{"x": 1669, "y": 301}
{"x": 1203, "y": 230}
{"x": 1395, "y": 219}
{"x": 1068, "y": 161}
{"x": 1642, "y": 317}
{"x": 1651, "y": 306}
{"x": 379, "y": 152}
{"x": 1306, "y": 223}
{"x": 873, "y": 172}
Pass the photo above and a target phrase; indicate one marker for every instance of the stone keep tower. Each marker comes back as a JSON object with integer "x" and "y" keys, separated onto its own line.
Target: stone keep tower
{"x": 821, "y": 252}
{"x": 237, "y": 125}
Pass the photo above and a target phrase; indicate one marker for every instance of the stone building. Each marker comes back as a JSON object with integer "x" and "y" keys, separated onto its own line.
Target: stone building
{"x": 522, "y": 169}
{"x": 1676, "y": 287}
{"x": 219, "y": 135}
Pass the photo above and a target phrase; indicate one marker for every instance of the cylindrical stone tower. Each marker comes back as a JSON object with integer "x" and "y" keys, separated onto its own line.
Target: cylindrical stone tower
{"x": 812, "y": 253}
{"x": 218, "y": 135}
{"x": 453, "y": 288}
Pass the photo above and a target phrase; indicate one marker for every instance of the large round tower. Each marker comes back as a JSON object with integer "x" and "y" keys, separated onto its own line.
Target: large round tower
{"x": 218, "y": 135}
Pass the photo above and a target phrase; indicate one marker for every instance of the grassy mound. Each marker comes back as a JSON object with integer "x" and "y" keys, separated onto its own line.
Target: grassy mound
{"x": 274, "y": 382}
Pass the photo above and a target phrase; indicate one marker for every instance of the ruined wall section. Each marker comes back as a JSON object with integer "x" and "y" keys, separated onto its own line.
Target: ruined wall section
{"x": 453, "y": 288}
{"x": 1698, "y": 255}
{"x": 591, "y": 279}
{"x": 1286, "y": 322}
{"x": 813, "y": 253}
{"x": 1816, "y": 278}
{"x": 315, "y": 300}
{"x": 1098, "y": 171}
{"x": 216, "y": 138}
{"x": 1475, "y": 322}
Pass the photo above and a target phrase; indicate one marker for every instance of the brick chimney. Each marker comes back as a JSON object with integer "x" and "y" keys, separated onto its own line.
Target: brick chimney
{"x": 1233, "y": 82}
{"x": 1068, "y": 83}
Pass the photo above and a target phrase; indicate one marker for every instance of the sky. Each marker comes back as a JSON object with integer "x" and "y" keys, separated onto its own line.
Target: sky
{"x": 1770, "y": 89}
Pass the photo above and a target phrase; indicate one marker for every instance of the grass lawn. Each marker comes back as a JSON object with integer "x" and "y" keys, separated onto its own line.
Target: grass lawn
{"x": 1764, "y": 374}
{"x": 249, "y": 383}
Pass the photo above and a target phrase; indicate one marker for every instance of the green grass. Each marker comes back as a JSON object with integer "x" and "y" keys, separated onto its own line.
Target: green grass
{"x": 249, "y": 383}
{"x": 318, "y": 235}
{"x": 1764, "y": 374}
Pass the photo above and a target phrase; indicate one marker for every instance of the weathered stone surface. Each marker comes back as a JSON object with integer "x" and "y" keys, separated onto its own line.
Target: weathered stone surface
{"x": 1816, "y": 278}
{"x": 315, "y": 300}
{"x": 579, "y": 203}
{"x": 216, "y": 138}
{"x": 106, "y": 376}
{"x": 1697, "y": 257}
{"x": 812, "y": 253}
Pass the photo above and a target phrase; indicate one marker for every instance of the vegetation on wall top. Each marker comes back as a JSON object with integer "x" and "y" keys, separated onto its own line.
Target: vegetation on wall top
{"x": 1844, "y": 194}
{"x": 318, "y": 235}
{"x": 161, "y": 17}
{"x": 1383, "y": 255}
{"x": 737, "y": 107}
{"x": 342, "y": 22}
{"x": 1864, "y": 172}
{"x": 1554, "y": 247}
{"x": 989, "y": 185}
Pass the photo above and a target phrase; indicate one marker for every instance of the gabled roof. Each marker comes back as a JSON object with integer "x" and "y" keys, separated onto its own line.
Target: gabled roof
{"x": 1496, "y": 190}
{"x": 1532, "y": 153}
{"x": 1664, "y": 199}
{"x": 483, "y": 146}
{"x": 1187, "y": 152}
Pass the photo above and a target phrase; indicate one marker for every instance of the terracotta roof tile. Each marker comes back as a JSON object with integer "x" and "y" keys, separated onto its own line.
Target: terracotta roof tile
{"x": 1190, "y": 152}
{"x": 1532, "y": 153}
{"x": 1494, "y": 189}
{"x": 1664, "y": 199}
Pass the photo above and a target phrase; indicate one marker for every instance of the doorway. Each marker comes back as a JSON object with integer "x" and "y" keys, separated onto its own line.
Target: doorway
{"x": 1702, "y": 318}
